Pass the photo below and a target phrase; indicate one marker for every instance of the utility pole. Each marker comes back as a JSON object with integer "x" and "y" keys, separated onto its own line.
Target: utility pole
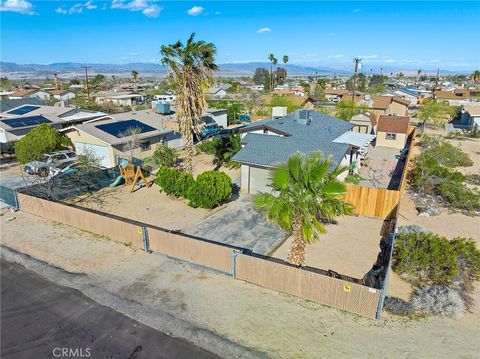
{"x": 438, "y": 75}
{"x": 357, "y": 64}
{"x": 381, "y": 76}
{"x": 86, "y": 80}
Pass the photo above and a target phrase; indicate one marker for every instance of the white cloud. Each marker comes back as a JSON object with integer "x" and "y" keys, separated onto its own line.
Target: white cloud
{"x": 19, "y": 6}
{"x": 338, "y": 56}
{"x": 217, "y": 12}
{"x": 147, "y": 7}
{"x": 263, "y": 30}
{"x": 195, "y": 11}
{"x": 76, "y": 9}
{"x": 357, "y": 10}
{"x": 331, "y": 34}
{"x": 368, "y": 57}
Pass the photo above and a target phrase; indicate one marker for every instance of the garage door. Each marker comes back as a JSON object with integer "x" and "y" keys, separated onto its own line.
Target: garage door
{"x": 260, "y": 180}
{"x": 100, "y": 152}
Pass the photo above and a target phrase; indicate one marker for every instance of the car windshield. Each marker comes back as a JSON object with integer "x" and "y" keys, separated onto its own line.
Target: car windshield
{"x": 44, "y": 158}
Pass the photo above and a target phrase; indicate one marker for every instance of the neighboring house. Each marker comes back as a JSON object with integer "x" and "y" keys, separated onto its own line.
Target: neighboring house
{"x": 454, "y": 97}
{"x": 335, "y": 95}
{"x": 119, "y": 98}
{"x": 470, "y": 115}
{"x": 9, "y": 104}
{"x": 268, "y": 143}
{"x": 298, "y": 91}
{"x": 63, "y": 95}
{"x": 219, "y": 115}
{"x": 115, "y": 139}
{"x": 364, "y": 122}
{"x": 17, "y": 122}
{"x": 40, "y": 94}
{"x": 392, "y": 131}
{"x": 218, "y": 91}
{"x": 412, "y": 96}
{"x": 388, "y": 105}
{"x": 309, "y": 103}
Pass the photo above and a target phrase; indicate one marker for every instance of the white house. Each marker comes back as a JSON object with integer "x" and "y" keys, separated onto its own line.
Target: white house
{"x": 63, "y": 95}
{"x": 40, "y": 94}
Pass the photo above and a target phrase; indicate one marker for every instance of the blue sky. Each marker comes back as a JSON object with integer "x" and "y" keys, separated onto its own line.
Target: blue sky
{"x": 402, "y": 34}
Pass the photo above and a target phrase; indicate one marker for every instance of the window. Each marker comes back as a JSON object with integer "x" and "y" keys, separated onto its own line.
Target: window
{"x": 145, "y": 146}
{"x": 391, "y": 136}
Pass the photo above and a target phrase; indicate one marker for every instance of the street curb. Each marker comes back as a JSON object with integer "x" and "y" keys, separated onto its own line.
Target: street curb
{"x": 154, "y": 318}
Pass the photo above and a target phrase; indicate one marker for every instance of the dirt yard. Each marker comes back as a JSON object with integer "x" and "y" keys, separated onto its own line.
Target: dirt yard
{"x": 349, "y": 247}
{"x": 280, "y": 325}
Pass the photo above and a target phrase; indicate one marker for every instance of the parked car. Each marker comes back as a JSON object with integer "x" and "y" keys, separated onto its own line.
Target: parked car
{"x": 48, "y": 160}
{"x": 210, "y": 129}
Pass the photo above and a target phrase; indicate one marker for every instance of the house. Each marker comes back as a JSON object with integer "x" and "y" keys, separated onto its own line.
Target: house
{"x": 62, "y": 95}
{"x": 335, "y": 95}
{"x": 219, "y": 91}
{"x": 9, "y": 104}
{"x": 123, "y": 137}
{"x": 298, "y": 91}
{"x": 309, "y": 103}
{"x": 405, "y": 93}
{"x": 364, "y": 122}
{"x": 17, "y": 122}
{"x": 119, "y": 98}
{"x": 454, "y": 97}
{"x": 40, "y": 94}
{"x": 388, "y": 105}
{"x": 268, "y": 143}
{"x": 392, "y": 131}
{"x": 470, "y": 115}
{"x": 219, "y": 115}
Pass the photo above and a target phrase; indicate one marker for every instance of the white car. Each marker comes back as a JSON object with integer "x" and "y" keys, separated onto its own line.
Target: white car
{"x": 48, "y": 160}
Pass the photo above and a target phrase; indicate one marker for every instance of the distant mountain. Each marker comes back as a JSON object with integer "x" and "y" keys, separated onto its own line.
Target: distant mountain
{"x": 229, "y": 68}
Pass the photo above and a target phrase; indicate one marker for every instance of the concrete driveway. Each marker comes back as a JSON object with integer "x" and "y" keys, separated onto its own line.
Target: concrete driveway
{"x": 240, "y": 224}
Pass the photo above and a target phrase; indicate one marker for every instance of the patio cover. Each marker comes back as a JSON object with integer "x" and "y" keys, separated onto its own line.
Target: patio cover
{"x": 356, "y": 139}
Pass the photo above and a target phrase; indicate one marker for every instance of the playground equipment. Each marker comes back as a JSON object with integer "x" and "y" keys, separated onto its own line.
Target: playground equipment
{"x": 128, "y": 174}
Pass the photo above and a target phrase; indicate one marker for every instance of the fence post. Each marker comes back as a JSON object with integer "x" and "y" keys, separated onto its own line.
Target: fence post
{"x": 234, "y": 263}
{"x": 17, "y": 204}
{"x": 381, "y": 300}
{"x": 146, "y": 242}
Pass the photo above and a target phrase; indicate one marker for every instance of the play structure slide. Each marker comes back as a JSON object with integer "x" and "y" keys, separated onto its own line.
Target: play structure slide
{"x": 118, "y": 181}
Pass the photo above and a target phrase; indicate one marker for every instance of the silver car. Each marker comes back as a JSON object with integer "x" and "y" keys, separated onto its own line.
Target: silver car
{"x": 48, "y": 160}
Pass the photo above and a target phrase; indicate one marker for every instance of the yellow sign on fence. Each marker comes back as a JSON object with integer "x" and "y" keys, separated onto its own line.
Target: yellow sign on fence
{"x": 140, "y": 230}
{"x": 346, "y": 288}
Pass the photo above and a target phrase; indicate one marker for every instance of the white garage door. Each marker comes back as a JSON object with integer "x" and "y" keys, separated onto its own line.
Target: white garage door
{"x": 101, "y": 152}
{"x": 260, "y": 180}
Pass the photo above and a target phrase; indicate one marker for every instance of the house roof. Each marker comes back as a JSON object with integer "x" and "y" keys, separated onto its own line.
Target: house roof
{"x": 457, "y": 93}
{"x": 9, "y": 104}
{"x": 59, "y": 92}
{"x": 338, "y": 92}
{"x": 393, "y": 124}
{"x": 473, "y": 110}
{"x": 23, "y": 93}
{"x": 271, "y": 150}
{"x": 383, "y": 102}
{"x": 370, "y": 115}
{"x": 94, "y": 129}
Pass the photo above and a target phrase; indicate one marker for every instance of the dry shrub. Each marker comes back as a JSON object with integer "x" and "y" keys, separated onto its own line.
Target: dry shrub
{"x": 398, "y": 306}
{"x": 438, "y": 300}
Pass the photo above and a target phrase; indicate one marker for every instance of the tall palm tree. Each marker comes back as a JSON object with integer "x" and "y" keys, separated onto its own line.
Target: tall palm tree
{"x": 134, "y": 78}
{"x": 307, "y": 196}
{"x": 419, "y": 72}
{"x": 191, "y": 69}
{"x": 285, "y": 60}
{"x": 476, "y": 76}
{"x": 273, "y": 61}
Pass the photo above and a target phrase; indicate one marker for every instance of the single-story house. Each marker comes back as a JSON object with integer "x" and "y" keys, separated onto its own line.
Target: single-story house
{"x": 219, "y": 115}
{"x": 218, "y": 91}
{"x": 389, "y": 105}
{"x": 392, "y": 131}
{"x": 364, "y": 122}
{"x": 63, "y": 95}
{"x": 114, "y": 139}
{"x": 40, "y": 94}
{"x": 9, "y": 104}
{"x": 470, "y": 115}
{"x": 412, "y": 96}
{"x": 119, "y": 98}
{"x": 335, "y": 94}
{"x": 298, "y": 91}
{"x": 17, "y": 122}
{"x": 268, "y": 143}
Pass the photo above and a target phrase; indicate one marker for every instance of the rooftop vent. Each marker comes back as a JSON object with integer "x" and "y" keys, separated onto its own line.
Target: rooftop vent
{"x": 304, "y": 117}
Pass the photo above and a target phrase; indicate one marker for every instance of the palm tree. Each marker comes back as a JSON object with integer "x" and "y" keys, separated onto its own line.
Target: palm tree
{"x": 134, "y": 78}
{"x": 273, "y": 61}
{"x": 419, "y": 72}
{"x": 191, "y": 69}
{"x": 285, "y": 60}
{"x": 307, "y": 196}
{"x": 476, "y": 76}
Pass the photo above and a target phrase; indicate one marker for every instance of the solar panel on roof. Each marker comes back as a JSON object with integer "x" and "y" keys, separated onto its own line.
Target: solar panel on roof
{"x": 25, "y": 121}
{"x": 123, "y": 128}
{"x": 23, "y": 110}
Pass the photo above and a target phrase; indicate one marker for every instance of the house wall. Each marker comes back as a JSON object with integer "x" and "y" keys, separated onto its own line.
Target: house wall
{"x": 65, "y": 97}
{"x": 397, "y": 109}
{"x": 41, "y": 95}
{"x": 255, "y": 179}
{"x": 362, "y": 124}
{"x": 399, "y": 142}
{"x": 245, "y": 179}
{"x": 81, "y": 137}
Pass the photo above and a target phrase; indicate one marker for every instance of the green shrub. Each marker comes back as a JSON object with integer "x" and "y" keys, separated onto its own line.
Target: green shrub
{"x": 425, "y": 257}
{"x": 468, "y": 261}
{"x": 210, "y": 189}
{"x": 164, "y": 156}
{"x": 459, "y": 196}
{"x": 448, "y": 155}
{"x": 438, "y": 300}
{"x": 174, "y": 182}
{"x": 41, "y": 139}
{"x": 209, "y": 146}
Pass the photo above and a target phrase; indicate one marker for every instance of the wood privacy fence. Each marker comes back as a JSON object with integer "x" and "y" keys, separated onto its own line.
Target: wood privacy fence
{"x": 240, "y": 263}
{"x": 380, "y": 202}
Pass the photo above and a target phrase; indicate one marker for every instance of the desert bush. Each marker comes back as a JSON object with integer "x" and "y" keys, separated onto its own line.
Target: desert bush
{"x": 468, "y": 262}
{"x": 425, "y": 257}
{"x": 459, "y": 196}
{"x": 208, "y": 146}
{"x": 448, "y": 155}
{"x": 398, "y": 306}
{"x": 174, "y": 182}
{"x": 210, "y": 189}
{"x": 473, "y": 179}
{"x": 411, "y": 228}
{"x": 165, "y": 156}
{"x": 439, "y": 301}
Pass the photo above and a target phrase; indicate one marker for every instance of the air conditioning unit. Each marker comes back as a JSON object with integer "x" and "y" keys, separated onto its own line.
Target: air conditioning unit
{"x": 279, "y": 111}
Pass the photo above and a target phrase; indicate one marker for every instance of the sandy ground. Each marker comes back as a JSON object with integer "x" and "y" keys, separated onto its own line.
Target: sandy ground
{"x": 279, "y": 324}
{"x": 349, "y": 247}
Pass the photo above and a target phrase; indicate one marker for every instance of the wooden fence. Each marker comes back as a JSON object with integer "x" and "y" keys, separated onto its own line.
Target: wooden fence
{"x": 263, "y": 271}
{"x": 380, "y": 202}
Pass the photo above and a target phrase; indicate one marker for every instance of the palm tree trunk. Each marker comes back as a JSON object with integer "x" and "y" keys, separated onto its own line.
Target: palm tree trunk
{"x": 188, "y": 146}
{"x": 297, "y": 250}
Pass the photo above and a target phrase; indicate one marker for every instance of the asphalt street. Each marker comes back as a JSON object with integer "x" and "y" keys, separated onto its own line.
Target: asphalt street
{"x": 40, "y": 319}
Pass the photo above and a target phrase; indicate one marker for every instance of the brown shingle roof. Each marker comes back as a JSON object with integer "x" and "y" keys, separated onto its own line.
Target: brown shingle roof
{"x": 393, "y": 124}
{"x": 338, "y": 92}
{"x": 23, "y": 93}
{"x": 58, "y": 92}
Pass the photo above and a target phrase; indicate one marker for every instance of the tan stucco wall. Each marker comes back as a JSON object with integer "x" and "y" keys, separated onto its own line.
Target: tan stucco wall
{"x": 78, "y": 136}
{"x": 397, "y": 109}
{"x": 399, "y": 142}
